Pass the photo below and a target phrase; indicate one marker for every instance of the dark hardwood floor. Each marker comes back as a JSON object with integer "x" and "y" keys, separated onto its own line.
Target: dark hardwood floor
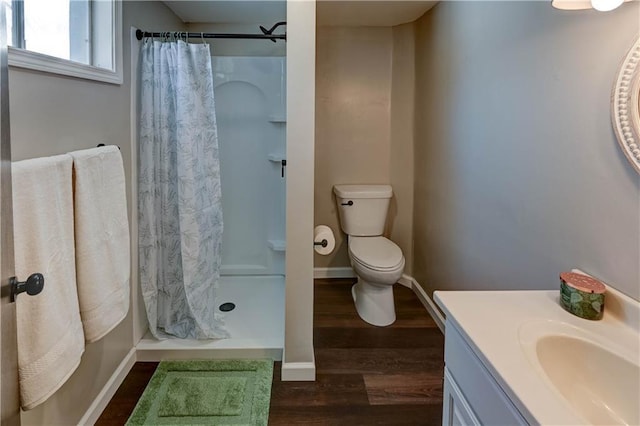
{"x": 365, "y": 375}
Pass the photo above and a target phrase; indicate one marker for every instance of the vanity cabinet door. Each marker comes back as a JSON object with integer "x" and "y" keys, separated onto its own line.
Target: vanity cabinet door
{"x": 486, "y": 400}
{"x": 456, "y": 409}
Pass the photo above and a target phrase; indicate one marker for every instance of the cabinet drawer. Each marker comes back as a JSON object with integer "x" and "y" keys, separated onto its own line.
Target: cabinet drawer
{"x": 487, "y": 400}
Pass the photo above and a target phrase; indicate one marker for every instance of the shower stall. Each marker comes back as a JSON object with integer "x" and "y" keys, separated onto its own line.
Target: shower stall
{"x": 250, "y": 110}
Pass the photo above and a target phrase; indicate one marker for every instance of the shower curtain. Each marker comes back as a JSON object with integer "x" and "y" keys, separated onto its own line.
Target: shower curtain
{"x": 179, "y": 210}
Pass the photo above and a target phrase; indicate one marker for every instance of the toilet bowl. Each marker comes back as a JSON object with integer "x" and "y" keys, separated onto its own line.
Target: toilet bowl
{"x": 378, "y": 264}
{"x": 377, "y": 261}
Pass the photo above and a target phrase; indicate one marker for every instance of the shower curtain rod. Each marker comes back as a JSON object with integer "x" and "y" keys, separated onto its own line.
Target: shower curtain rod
{"x": 267, "y": 34}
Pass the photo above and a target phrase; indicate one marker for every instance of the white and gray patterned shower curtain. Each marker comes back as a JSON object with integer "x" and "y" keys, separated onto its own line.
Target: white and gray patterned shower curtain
{"x": 179, "y": 197}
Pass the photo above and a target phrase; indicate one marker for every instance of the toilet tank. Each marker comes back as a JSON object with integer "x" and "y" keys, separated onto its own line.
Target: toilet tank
{"x": 363, "y": 208}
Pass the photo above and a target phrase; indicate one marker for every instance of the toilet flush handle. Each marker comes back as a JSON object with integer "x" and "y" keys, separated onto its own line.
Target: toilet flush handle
{"x": 348, "y": 203}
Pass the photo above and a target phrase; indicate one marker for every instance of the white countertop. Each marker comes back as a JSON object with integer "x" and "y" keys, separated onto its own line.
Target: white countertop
{"x": 490, "y": 322}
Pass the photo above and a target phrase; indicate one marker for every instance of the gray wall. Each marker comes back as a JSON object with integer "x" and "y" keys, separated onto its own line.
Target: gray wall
{"x": 52, "y": 114}
{"x": 518, "y": 175}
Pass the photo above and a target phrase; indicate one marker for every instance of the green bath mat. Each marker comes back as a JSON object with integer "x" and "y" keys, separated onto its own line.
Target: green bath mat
{"x": 211, "y": 392}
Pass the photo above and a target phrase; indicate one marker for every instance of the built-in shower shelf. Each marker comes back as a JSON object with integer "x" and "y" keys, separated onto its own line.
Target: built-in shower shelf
{"x": 278, "y": 118}
{"x": 276, "y": 158}
{"x": 277, "y": 245}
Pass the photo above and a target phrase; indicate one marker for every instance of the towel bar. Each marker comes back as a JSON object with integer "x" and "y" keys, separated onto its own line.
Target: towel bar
{"x": 101, "y": 144}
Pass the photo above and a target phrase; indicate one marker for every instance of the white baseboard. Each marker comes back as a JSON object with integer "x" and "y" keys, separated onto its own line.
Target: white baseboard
{"x": 298, "y": 371}
{"x": 427, "y": 302}
{"x": 342, "y": 272}
{"x": 100, "y": 403}
{"x": 406, "y": 281}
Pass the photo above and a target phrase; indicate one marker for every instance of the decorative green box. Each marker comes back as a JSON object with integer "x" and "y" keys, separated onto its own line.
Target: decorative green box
{"x": 582, "y": 295}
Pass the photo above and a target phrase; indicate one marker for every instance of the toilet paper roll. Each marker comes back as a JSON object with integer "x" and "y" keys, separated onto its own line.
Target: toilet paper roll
{"x": 323, "y": 232}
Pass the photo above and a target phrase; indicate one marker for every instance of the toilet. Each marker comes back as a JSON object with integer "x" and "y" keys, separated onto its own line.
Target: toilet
{"x": 377, "y": 261}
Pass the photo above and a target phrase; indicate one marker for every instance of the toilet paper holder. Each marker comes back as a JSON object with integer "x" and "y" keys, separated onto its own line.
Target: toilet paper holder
{"x": 322, "y": 243}
{"x": 323, "y": 240}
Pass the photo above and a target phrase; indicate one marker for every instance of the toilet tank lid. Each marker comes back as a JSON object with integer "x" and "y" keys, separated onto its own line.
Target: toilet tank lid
{"x": 363, "y": 191}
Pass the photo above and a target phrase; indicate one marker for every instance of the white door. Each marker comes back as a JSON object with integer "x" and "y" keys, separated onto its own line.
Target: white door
{"x": 9, "y": 402}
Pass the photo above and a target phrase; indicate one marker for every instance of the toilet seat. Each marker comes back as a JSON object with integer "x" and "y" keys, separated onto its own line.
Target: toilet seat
{"x": 376, "y": 253}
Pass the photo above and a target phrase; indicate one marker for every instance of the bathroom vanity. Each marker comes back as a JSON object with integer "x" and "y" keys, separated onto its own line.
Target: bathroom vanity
{"x": 518, "y": 358}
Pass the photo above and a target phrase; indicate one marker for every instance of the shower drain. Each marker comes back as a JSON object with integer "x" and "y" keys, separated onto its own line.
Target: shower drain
{"x": 226, "y": 307}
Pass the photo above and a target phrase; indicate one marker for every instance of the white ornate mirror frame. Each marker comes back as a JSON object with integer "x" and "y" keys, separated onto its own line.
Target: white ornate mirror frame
{"x": 625, "y": 105}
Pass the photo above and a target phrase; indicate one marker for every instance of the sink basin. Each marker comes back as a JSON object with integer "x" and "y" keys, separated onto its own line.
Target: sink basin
{"x": 599, "y": 379}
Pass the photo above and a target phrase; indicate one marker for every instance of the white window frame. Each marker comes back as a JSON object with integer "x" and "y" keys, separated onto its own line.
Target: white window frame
{"x": 21, "y": 58}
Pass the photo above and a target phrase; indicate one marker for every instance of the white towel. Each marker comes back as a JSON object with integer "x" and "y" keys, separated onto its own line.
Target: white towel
{"x": 102, "y": 239}
{"x": 50, "y": 338}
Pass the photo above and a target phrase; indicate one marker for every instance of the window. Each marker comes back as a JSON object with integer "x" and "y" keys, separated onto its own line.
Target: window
{"x": 81, "y": 38}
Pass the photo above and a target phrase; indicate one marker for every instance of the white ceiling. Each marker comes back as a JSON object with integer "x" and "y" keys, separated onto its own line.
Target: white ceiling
{"x": 329, "y": 12}
{"x": 370, "y": 13}
{"x": 263, "y": 12}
